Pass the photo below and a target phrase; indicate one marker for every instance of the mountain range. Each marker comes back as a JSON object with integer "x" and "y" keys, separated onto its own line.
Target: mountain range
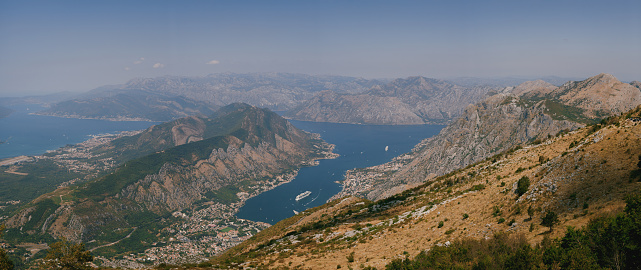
{"x": 411, "y": 101}
{"x": 133, "y": 105}
{"x": 576, "y": 146}
{"x": 529, "y": 112}
{"x": 171, "y": 97}
{"x": 574, "y": 176}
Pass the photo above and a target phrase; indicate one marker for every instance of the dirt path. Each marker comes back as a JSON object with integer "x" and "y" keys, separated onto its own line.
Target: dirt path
{"x": 111, "y": 244}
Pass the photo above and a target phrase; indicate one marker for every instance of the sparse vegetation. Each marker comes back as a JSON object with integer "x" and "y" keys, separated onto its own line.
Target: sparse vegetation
{"x": 350, "y": 257}
{"x": 605, "y": 243}
{"x": 496, "y": 211}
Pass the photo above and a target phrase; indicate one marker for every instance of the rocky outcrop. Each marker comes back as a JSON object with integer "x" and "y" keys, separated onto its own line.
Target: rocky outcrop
{"x": 411, "y": 101}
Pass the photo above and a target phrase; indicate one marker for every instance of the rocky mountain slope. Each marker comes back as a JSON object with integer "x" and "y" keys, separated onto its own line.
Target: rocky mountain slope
{"x": 600, "y": 96}
{"x": 495, "y": 125}
{"x": 131, "y": 106}
{"x": 578, "y": 176}
{"x": 411, "y": 101}
{"x": 214, "y": 164}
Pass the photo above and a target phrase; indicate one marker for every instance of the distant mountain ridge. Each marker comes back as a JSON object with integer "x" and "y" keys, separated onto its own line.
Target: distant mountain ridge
{"x": 276, "y": 91}
{"x": 133, "y": 105}
{"x": 171, "y": 97}
{"x": 410, "y": 101}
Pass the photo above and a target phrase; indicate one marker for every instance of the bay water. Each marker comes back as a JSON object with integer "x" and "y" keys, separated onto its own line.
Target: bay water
{"x": 359, "y": 146}
{"x": 23, "y": 133}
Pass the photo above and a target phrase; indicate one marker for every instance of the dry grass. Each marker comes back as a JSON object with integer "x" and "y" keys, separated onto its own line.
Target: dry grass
{"x": 578, "y": 183}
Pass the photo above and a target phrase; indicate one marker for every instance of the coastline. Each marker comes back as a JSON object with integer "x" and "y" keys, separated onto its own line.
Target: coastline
{"x": 113, "y": 119}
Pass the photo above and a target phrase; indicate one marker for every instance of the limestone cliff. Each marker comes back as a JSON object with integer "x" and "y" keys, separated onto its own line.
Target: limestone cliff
{"x": 411, "y": 101}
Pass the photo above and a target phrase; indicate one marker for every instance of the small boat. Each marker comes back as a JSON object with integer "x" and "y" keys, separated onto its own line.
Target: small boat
{"x": 303, "y": 195}
{"x": 295, "y": 212}
{"x": 386, "y": 148}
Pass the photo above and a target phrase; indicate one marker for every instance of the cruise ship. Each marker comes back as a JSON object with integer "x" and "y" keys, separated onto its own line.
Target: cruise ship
{"x": 303, "y": 195}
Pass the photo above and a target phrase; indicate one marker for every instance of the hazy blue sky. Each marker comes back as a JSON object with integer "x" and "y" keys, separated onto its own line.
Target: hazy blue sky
{"x": 48, "y": 46}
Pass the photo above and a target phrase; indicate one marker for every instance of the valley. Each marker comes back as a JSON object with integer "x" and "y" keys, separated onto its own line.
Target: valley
{"x": 219, "y": 189}
{"x": 578, "y": 175}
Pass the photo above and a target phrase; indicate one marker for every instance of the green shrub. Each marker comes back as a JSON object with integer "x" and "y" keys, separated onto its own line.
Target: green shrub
{"x": 522, "y": 185}
{"x": 350, "y": 257}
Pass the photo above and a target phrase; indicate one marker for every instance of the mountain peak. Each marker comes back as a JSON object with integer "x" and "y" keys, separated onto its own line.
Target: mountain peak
{"x": 599, "y": 96}
{"x": 533, "y": 87}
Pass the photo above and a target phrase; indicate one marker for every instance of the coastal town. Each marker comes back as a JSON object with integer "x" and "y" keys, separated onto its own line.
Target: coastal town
{"x": 361, "y": 179}
{"x": 198, "y": 236}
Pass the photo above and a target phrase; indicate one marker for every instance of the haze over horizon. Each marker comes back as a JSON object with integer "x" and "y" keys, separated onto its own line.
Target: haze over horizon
{"x": 51, "y": 46}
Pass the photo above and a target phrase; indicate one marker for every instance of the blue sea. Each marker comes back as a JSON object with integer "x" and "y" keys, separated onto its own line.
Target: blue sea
{"x": 359, "y": 146}
{"x": 23, "y": 133}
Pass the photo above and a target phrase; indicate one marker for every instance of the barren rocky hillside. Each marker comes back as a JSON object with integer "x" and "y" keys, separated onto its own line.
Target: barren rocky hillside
{"x": 578, "y": 175}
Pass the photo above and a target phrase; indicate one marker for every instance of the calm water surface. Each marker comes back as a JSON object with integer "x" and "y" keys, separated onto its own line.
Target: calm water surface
{"x": 26, "y": 134}
{"x": 359, "y": 146}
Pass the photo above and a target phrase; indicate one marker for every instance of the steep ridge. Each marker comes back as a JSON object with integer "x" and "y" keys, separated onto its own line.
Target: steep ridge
{"x": 578, "y": 175}
{"x": 237, "y": 153}
{"x": 492, "y": 126}
{"x": 411, "y": 101}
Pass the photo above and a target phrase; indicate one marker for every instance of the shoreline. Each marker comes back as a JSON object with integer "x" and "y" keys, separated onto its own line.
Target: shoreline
{"x": 112, "y": 119}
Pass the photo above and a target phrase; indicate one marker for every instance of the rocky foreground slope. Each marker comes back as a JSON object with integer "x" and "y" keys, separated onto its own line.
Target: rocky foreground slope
{"x": 494, "y": 125}
{"x": 411, "y": 101}
{"x": 578, "y": 175}
{"x": 212, "y": 166}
